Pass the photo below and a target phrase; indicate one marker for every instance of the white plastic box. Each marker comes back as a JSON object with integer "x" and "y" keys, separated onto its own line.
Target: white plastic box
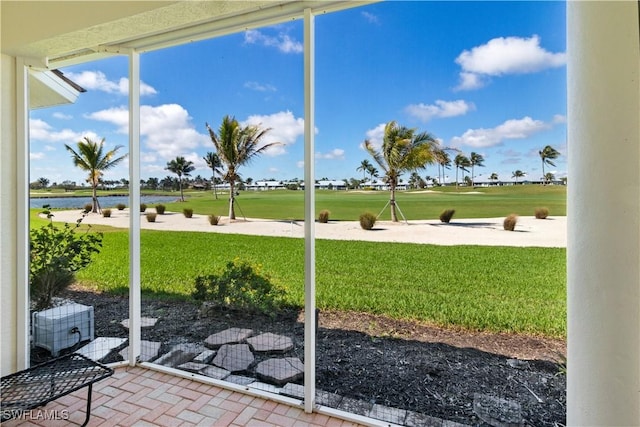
{"x": 54, "y": 329}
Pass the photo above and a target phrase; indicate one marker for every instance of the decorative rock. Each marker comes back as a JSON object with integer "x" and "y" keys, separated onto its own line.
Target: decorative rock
{"x": 216, "y": 373}
{"x": 293, "y": 390}
{"x": 385, "y": 413}
{"x": 497, "y": 412}
{"x": 179, "y": 354}
{"x": 193, "y": 367}
{"x": 205, "y": 357}
{"x": 148, "y": 351}
{"x": 229, "y": 336}
{"x": 234, "y": 357}
{"x": 280, "y": 371}
{"x": 145, "y": 322}
{"x": 239, "y": 379}
{"x": 270, "y": 343}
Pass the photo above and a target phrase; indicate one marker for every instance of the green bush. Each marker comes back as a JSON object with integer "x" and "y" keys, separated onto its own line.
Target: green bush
{"x": 188, "y": 212}
{"x": 106, "y": 213}
{"x": 151, "y": 216}
{"x": 242, "y": 286}
{"x": 367, "y": 220}
{"x": 510, "y": 222}
{"x": 143, "y": 207}
{"x": 541, "y": 213}
{"x": 446, "y": 215}
{"x": 121, "y": 206}
{"x": 56, "y": 253}
{"x": 323, "y": 216}
{"x": 160, "y": 209}
{"x": 88, "y": 207}
{"x": 214, "y": 219}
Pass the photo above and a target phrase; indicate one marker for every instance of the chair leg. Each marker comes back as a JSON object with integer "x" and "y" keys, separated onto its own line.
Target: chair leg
{"x": 86, "y": 420}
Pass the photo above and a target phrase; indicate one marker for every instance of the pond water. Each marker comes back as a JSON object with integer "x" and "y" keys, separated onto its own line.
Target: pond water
{"x": 105, "y": 201}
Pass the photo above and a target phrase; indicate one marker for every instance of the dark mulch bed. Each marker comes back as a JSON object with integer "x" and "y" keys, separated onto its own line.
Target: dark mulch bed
{"x": 394, "y": 363}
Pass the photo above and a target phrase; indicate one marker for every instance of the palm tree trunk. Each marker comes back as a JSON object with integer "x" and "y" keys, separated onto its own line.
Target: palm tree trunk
{"x": 215, "y": 190}
{"x": 392, "y": 202}
{"x": 95, "y": 199}
{"x": 232, "y": 191}
{"x": 181, "y": 195}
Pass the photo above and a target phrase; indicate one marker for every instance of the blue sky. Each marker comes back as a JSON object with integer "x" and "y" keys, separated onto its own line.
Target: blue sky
{"x": 488, "y": 77}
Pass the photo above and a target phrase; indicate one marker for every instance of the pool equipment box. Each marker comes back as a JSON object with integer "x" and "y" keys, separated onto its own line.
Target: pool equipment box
{"x": 62, "y": 327}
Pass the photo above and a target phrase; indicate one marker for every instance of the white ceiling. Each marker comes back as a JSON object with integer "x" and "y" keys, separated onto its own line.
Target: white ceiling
{"x": 58, "y": 33}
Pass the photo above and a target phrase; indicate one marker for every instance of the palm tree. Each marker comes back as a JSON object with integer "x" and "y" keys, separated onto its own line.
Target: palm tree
{"x": 373, "y": 172}
{"x": 517, "y": 174}
{"x": 461, "y": 161}
{"x": 443, "y": 160}
{"x": 416, "y": 181}
{"x": 402, "y": 150}
{"x": 548, "y": 177}
{"x": 547, "y": 154}
{"x": 213, "y": 161}
{"x": 91, "y": 157}
{"x": 181, "y": 167}
{"x": 365, "y": 166}
{"x": 493, "y": 177}
{"x": 237, "y": 146}
{"x": 475, "y": 159}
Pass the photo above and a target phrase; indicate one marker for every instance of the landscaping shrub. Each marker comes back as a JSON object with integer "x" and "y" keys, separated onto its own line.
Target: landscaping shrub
{"x": 510, "y": 222}
{"x": 143, "y": 207}
{"x": 88, "y": 208}
{"x": 242, "y": 286}
{"x": 367, "y": 220}
{"x": 106, "y": 213}
{"x": 542, "y": 213}
{"x": 121, "y": 206}
{"x": 188, "y": 212}
{"x": 446, "y": 215}
{"x": 160, "y": 209}
{"x": 56, "y": 253}
{"x": 323, "y": 216}
{"x": 151, "y": 216}
{"x": 214, "y": 219}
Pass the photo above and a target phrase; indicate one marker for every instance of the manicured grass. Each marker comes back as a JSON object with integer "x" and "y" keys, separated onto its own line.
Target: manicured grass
{"x": 348, "y": 205}
{"x": 480, "y": 288}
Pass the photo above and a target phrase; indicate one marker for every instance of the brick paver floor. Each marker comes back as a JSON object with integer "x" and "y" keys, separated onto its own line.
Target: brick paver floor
{"x": 144, "y": 397}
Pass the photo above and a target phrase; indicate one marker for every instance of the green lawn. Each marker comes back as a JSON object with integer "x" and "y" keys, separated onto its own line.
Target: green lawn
{"x": 507, "y": 289}
{"x": 348, "y": 205}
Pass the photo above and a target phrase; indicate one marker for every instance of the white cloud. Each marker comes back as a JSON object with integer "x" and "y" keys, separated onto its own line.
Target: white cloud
{"x": 371, "y": 18}
{"x": 559, "y": 119}
{"x": 441, "y": 109}
{"x": 260, "y": 87}
{"x": 285, "y": 129}
{"x": 505, "y": 55}
{"x": 62, "y": 116}
{"x": 39, "y": 130}
{"x": 97, "y": 80}
{"x": 300, "y": 164}
{"x": 511, "y": 129}
{"x": 335, "y": 154}
{"x": 375, "y": 135}
{"x": 36, "y": 156}
{"x": 282, "y": 41}
{"x": 167, "y": 129}
{"x": 273, "y": 170}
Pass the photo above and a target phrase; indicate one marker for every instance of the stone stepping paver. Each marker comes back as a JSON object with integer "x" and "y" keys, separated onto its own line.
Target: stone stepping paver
{"x": 205, "y": 357}
{"x": 193, "y": 367}
{"x": 179, "y": 354}
{"x": 270, "y": 388}
{"x": 234, "y": 357}
{"x": 270, "y": 343}
{"x": 216, "y": 373}
{"x": 228, "y": 336}
{"x": 280, "y": 371}
{"x": 148, "y": 351}
{"x": 145, "y": 322}
{"x": 100, "y": 347}
{"x": 293, "y": 390}
{"x": 239, "y": 379}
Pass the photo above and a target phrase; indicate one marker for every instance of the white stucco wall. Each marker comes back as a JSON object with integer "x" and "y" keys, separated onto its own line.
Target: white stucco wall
{"x": 8, "y": 217}
{"x": 603, "y": 253}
